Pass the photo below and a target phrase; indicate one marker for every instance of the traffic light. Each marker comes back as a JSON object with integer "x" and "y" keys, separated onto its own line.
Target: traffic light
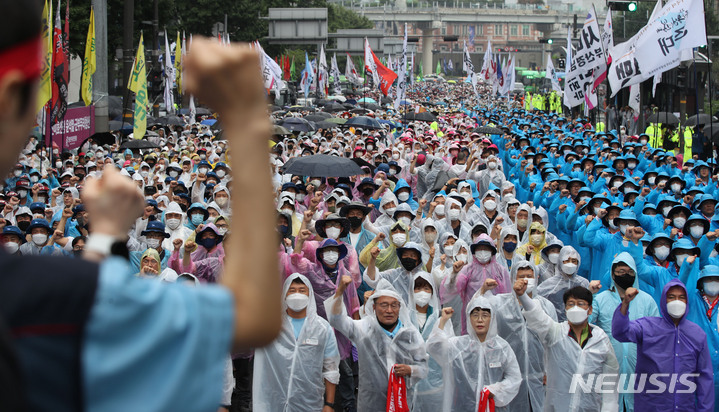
{"x": 548, "y": 41}
{"x": 622, "y": 5}
{"x": 561, "y": 63}
{"x": 682, "y": 77}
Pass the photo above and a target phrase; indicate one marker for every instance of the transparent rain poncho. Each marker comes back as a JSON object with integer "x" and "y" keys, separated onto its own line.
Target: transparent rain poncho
{"x": 377, "y": 352}
{"x": 471, "y": 365}
{"x": 553, "y": 288}
{"x": 512, "y": 327}
{"x": 289, "y": 373}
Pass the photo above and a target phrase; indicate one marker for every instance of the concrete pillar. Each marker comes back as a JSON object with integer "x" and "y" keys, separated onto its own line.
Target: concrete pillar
{"x": 427, "y": 43}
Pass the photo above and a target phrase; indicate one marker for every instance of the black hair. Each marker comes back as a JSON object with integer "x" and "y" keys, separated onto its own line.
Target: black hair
{"x": 297, "y": 281}
{"x": 421, "y": 282}
{"x": 480, "y": 309}
{"x": 578, "y": 292}
{"x": 77, "y": 239}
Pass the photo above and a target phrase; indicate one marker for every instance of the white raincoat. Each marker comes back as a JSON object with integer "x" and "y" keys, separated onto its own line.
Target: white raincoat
{"x": 553, "y": 288}
{"x": 378, "y": 352}
{"x": 527, "y": 346}
{"x": 471, "y": 365}
{"x": 565, "y": 359}
{"x": 180, "y": 232}
{"x": 289, "y": 374}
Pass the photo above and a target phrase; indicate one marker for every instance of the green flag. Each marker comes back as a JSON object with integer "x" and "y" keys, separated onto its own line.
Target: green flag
{"x": 292, "y": 69}
{"x": 439, "y": 68}
{"x": 421, "y": 70}
{"x": 138, "y": 84}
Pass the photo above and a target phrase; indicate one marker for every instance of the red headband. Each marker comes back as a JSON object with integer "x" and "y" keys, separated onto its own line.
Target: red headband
{"x": 25, "y": 57}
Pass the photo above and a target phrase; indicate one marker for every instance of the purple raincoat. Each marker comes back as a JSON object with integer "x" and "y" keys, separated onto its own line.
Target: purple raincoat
{"x": 664, "y": 348}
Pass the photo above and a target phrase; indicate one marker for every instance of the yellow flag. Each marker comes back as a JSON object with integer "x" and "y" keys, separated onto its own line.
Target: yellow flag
{"x": 138, "y": 84}
{"x": 89, "y": 62}
{"x": 178, "y": 63}
{"x": 45, "y": 91}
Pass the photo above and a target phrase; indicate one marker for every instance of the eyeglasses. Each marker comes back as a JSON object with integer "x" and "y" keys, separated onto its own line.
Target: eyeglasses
{"x": 583, "y": 305}
{"x": 480, "y": 315}
{"x": 623, "y": 272}
{"x": 387, "y": 305}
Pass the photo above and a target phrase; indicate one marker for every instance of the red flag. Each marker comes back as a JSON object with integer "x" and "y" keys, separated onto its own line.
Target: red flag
{"x": 386, "y": 76}
{"x": 58, "y": 105}
{"x": 396, "y": 393}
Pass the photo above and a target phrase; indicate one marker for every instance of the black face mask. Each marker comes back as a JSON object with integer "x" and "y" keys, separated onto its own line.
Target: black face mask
{"x": 77, "y": 253}
{"x": 183, "y": 207}
{"x": 23, "y": 225}
{"x": 624, "y": 281}
{"x": 368, "y": 191}
{"x": 355, "y": 222}
{"x": 408, "y": 263}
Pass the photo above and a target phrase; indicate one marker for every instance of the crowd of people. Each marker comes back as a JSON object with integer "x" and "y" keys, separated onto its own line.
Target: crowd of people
{"x": 494, "y": 256}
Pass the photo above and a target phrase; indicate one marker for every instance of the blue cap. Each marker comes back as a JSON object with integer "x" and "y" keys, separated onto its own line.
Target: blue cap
{"x": 39, "y": 223}
{"x": 155, "y": 226}
{"x": 37, "y": 206}
{"x": 14, "y": 230}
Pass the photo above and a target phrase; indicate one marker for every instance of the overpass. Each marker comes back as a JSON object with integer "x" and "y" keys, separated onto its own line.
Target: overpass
{"x": 441, "y": 15}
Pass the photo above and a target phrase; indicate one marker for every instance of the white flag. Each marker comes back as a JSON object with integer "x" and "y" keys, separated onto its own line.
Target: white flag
{"x": 634, "y": 97}
{"x": 589, "y": 56}
{"x": 509, "y": 75}
{"x": 335, "y": 71}
{"x": 487, "y": 63}
{"x": 551, "y": 74}
{"x": 322, "y": 74}
{"x": 468, "y": 68}
{"x": 169, "y": 79}
{"x": 271, "y": 71}
{"x": 193, "y": 110}
{"x": 351, "y": 72}
{"x": 369, "y": 65}
{"x": 659, "y": 46}
{"x": 402, "y": 72}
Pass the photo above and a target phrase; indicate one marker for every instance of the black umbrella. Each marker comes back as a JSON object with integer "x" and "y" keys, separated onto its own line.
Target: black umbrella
{"x": 296, "y": 124}
{"x": 363, "y": 122}
{"x": 702, "y": 118}
{"x": 317, "y": 117}
{"x": 360, "y": 111}
{"x": 201, "y": 111}
{"x": 348, "y": 105}
{"x": 326, "y": 125}
{"x": 322, "y": 102}
{"x": 663, "y": 118}
{"x": 712, "y": 132}
{"x": 333, "y": 107}
{"x": 386, "y": 100}
{"x": 424, "y": 117}
{"x": 370, "y": 106}
{"x": 487, "y": 130}
{"x": 138, "y": 144}
{"x": 114, "y": 106}
{"x": 170, "y": 121}
{"x": 274, "y": 108}
{"x": 279, "y": 130}
{"x": 362, "y": 163}
{"x": 301, "y": 109}
{"x": 321, "y": 165}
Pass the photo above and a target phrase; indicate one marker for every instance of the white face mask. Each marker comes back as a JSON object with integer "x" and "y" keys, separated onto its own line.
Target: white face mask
{"x": 661, "y": 252}
{"x": 679, "y": 222}
{"x": 553, "y": 258}
{"x": 39, "y": 239}
{"x": 395, "y": 156}
{"x": 453, "y": 214}
{"x": 333, "y": 232}
{"x": 492, "y": 165}
{"x": 676, "y": 308}
{"x": 403, "y": 197}
{"x": 220, "y": 173}
{"x": 297, "y": 301}
{"x": 522, "y": 222}
{"x": 389, "y": 212}
{"x": 153, "y": 243}
{"x": 535, "y": 239}
{"x": 569, "y": 268}
{"x": 430, "y": 238}
{"x": 298, "y": 197}
{"x": 330, "y": 257}
{"x": 531, "y": 284}
{"x": 680, "y": 259}
{"x": 651, "y": 180}
{"x": 404, "y": 219}
{"x": 490, "y": 205}
{"x": 11, "y": 247}
{"x": 398, "y": 239}
{"x": 676, "y": 187}
{"x": 711, "y": 287}
{"x": 611, "y": 224}
{"x": 439, "y": 210}
{"x": 422, "y": 298}
{"x": 144, "y": 173}
{"x": 221, "y": 201}
{"x": 483, "y": 256}
{"x": 696, "y": 231}
{"x": 316, "y": 183}
{"x": 576, "y": 315}
{"x": 173, "y": 173}
{"x": 666, "y": 210}
{"x": 202, "y": 170}
{"x": 448, "y": 250}
{"x": 378, "y": 182}
{"x": 462, "y": 257}
{"x": 623, "y": 228}
{"x": 173, "y": 223}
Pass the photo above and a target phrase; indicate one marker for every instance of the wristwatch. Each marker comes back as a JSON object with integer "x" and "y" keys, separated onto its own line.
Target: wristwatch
{"x": 330, "y": 404}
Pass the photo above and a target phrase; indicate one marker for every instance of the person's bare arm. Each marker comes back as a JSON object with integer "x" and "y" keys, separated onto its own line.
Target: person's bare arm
{"x": 228, "y": 79}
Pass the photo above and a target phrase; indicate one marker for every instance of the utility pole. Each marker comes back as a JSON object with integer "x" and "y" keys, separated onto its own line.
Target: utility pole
{"x": 128, "y": 55}
{"x": 99, "y": 84}
{"x": 156, "y": 53}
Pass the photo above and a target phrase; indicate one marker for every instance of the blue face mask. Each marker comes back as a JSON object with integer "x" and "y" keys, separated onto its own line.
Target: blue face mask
{"x": 510, "y": 246}
{"x": 197, "y": 219}
{"x": 207, "y": 243}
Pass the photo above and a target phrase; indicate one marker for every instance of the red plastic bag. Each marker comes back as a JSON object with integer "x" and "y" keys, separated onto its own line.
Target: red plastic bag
{"x": 396, "y": 393}
{"x": 486, "y": 404}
